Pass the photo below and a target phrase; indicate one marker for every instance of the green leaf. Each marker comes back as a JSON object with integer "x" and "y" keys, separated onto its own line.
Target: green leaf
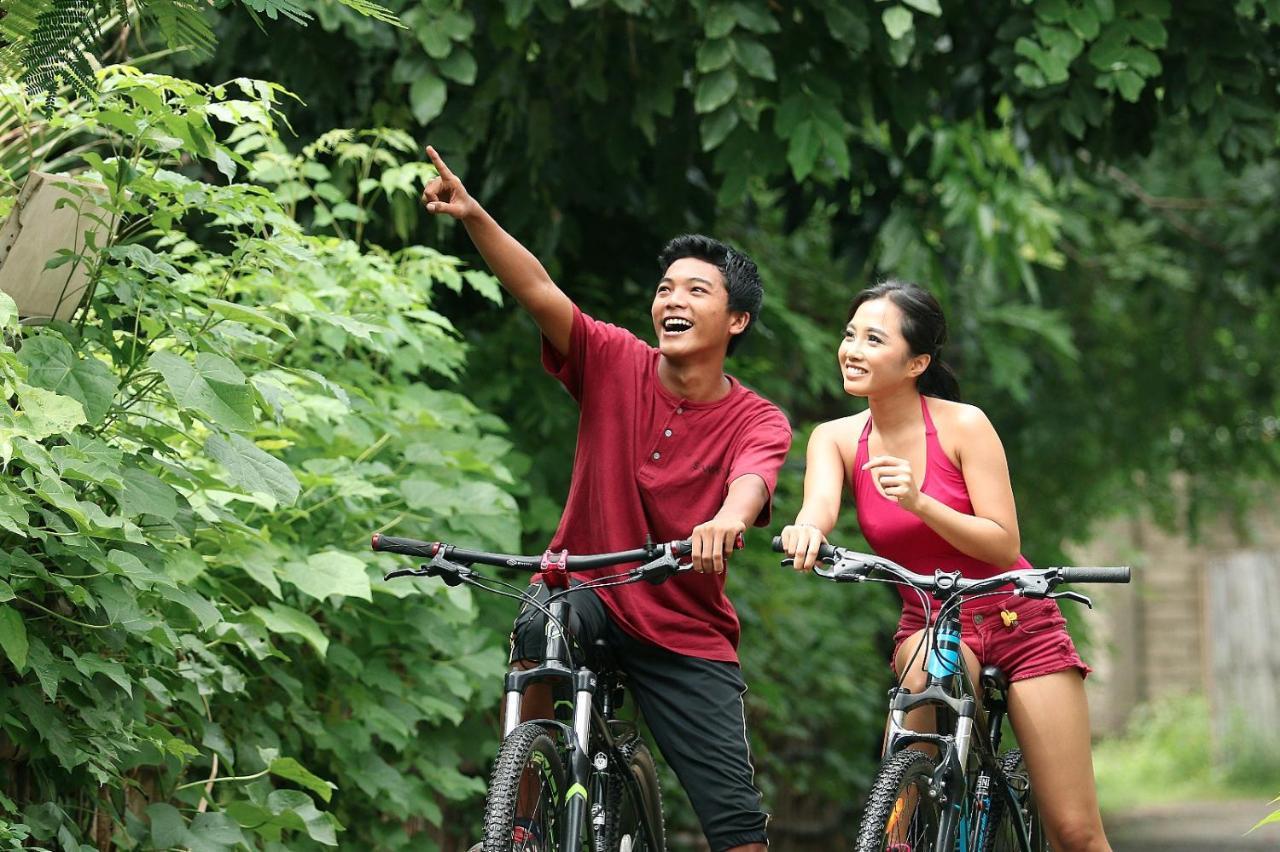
{"x": 214, "y": 387}
{"x": 13, "y": 637}
{"x": 1149, "y": 31}
{"x": 287, "y": 620}
{"x": 246, "y": 314}
{"x": 145, "y": 494}
{"x": 48, "y": 413}
{"x": 720, "y": 21}
{"x": 427, "y": 97}
{"x": 167, "y": 826}
{"x": 214, "y": 832}
{"x": 713, "y": 55}
{"x": 755, "y": 58}
{"x": 329, "y": 573}
{"x": 13, "y": 512}
{"x": 802, "y": 151}
{"x": 91, "y": 664}
{"x": 252, "y": 469}
{"x": 849, "y": 26}
{"x": 54, "y": 365}
{"x": 897, "y": 21}
{"x": 715, "y": 90}
{"x": 717, "y": 126}
{"x": 8, "y": 311}
{"x": 288, "y": 768}
{"x": 754, "y": 15}
{"x": 459, "y": 66}
{"x": 1084, "y": 21}
{"x": 929, "y": 7}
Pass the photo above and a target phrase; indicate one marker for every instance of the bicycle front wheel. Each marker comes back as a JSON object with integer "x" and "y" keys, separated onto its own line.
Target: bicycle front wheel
{"x": 521, "y": 811}
{"x": 900, "y": 815}
{"x": 1004, "y": 829}
{"x": 634, "y": 824}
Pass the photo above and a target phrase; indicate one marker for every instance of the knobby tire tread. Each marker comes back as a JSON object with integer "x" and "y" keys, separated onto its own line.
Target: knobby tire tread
{"x": 893, "y": 775}
{"x": 504, "y": 784}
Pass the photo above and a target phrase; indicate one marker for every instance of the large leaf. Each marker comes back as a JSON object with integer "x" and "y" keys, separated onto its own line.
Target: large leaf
{"x": 13, "y": 636}
{"x": 329, "y": 573}
{"x": 52, "y": 364}
{"x": 279, "y": 618}
{"x": 48, "y": 413}
{"x": 213, "y": 387}
{"x": 287, "y": 767}
{"x": 253, "y": 469}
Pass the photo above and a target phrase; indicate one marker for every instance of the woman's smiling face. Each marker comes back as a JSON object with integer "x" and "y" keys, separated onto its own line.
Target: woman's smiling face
{"x": 874, "y": 356}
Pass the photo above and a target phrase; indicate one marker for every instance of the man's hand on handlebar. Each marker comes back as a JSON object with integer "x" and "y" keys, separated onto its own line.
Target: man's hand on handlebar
{"x": 714, "y": 542}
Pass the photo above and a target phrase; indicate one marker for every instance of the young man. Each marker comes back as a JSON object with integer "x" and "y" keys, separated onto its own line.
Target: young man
{"x": 669, "y": 447}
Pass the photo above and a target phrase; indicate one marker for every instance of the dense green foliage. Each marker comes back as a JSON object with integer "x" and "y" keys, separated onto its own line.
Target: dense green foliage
{"x": 198, "y": 651}
{"x": 1089, "y": 185}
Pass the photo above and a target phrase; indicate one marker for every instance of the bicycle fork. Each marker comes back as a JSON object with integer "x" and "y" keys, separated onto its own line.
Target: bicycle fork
{"x": 578, "y": 736}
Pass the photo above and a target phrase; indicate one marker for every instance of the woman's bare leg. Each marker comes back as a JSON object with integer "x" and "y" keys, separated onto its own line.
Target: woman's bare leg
{"x": 1050, "y": 717}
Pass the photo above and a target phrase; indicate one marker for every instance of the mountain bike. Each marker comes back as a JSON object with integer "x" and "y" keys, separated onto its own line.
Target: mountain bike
{"x": 969, "y": 798}
{"x": 589, "y": 783}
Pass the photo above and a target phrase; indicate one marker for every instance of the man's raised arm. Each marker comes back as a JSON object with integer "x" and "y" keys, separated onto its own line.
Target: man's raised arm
{"x": 521, "y": 274}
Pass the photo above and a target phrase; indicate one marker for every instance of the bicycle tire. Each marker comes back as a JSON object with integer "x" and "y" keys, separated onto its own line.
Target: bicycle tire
{"x": 901, "y": 783}
{"x": 624, "y": 818}
{"x": 527, "y": 749}
{"x": 1003, "y": 836}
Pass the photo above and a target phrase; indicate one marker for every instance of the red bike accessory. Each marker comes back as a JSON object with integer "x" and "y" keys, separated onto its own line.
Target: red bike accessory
{"x": 554, "y": 570}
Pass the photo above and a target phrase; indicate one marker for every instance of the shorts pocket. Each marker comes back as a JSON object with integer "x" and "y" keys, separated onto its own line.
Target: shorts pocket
{"x": 1034, "y": 616}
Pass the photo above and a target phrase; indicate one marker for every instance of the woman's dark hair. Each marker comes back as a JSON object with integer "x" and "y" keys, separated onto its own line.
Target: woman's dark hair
{"x": 925, "y": 328}
{"x": 741, "y": 278}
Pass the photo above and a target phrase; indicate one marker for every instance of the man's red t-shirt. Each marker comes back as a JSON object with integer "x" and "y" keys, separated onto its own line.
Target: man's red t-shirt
{"x": 648, "y": 462}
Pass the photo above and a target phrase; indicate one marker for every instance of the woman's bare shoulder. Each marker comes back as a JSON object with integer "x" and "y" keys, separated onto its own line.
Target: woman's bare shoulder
{"x": 959, "y": 417}
{"x": 840, "y": 428}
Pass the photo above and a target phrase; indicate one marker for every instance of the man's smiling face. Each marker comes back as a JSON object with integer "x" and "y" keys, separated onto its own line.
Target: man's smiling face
{"x": 690, "y": 310}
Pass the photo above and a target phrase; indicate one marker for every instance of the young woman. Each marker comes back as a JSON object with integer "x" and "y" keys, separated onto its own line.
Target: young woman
{"x": 931, "y": 485}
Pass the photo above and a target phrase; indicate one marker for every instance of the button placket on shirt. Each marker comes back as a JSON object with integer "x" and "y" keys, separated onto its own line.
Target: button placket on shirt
{"x": 667, "y": 432}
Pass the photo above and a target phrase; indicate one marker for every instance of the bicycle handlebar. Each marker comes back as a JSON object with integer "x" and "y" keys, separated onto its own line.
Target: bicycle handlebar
{"x": 430, "y": 549}
{"x": 1095, "y": 574}
{"x": 852, "y": 566}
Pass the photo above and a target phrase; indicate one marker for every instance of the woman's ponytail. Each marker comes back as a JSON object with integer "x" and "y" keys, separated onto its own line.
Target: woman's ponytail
{"x": 939, "y": 380}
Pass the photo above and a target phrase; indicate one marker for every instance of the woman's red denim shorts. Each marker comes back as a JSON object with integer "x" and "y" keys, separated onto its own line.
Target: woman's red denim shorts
{"x": 1024, "y": 637}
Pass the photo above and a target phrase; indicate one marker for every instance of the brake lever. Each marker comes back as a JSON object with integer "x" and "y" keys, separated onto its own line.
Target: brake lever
{"x": 451, "y": 574}
{"x": 662, "y": 571}
{"x": 420, "y": 571}
{"x": 1072, "y": 596}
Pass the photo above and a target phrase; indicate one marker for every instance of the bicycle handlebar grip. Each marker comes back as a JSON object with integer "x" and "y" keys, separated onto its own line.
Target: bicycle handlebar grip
{"x": 825, "y": 551}
{"x": 405, "y": 546}
{"x": 1100, "y": 574}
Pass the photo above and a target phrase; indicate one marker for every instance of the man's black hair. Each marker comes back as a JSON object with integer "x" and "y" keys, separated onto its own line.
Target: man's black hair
{"x": 741, "y": 278}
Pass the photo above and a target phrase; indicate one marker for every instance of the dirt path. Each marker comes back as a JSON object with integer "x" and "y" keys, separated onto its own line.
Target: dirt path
{"x": 1194, "y": 827}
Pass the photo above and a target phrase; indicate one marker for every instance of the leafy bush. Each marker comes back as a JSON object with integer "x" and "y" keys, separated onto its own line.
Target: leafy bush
{"x": 198, "y": 648}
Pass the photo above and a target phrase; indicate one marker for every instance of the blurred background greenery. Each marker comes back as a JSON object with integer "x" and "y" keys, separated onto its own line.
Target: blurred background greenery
{"x": 1089, "y": 186}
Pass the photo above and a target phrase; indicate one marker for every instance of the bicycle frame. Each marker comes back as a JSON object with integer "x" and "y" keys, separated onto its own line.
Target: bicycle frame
{"x": 949, "y": 689}
{"x": 591, "y": 727}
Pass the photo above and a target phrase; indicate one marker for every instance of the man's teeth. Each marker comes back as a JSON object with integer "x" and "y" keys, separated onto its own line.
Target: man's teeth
{"x": 676, "y": 325}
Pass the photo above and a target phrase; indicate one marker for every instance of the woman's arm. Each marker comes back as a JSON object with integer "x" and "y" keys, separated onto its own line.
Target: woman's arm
{"x": 991, "y": 532}
{"x": 823, "y": 485}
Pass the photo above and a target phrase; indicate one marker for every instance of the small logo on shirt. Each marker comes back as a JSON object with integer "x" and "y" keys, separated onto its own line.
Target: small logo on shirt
{"x": 706, "y": 468}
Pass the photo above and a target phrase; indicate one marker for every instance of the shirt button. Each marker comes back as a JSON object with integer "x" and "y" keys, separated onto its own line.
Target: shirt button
{"x": 666, "y": 432}
{"x": 657, "y": 456}
{"x": 680, "y": 411}
{"x": 977, "y": 619}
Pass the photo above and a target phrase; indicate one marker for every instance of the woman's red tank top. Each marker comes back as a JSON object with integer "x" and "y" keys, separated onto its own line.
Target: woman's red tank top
{"x": 896, "y": 534}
